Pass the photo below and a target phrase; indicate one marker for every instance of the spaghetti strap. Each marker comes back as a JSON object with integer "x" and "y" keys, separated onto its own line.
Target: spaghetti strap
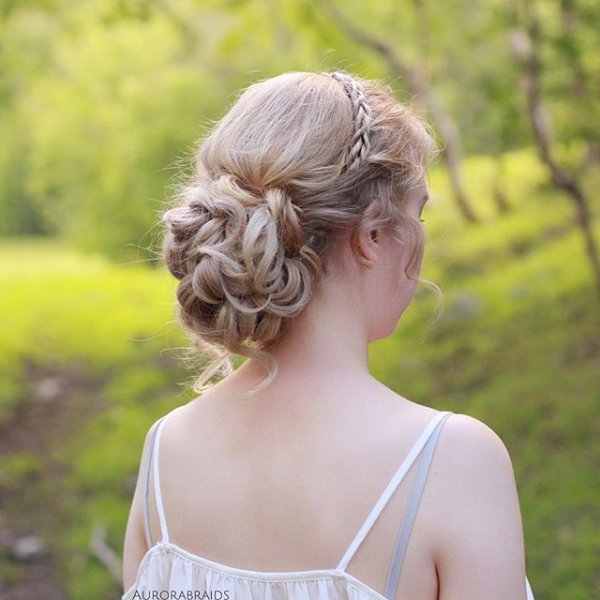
{"x": 152, "y": 463}
{"x": 391, "y": 488}
{"x": 411, "y": 511}
{"x": 528, "y": 589}
{"x": 147, "y": 466}
{"x": 164, "y": 532}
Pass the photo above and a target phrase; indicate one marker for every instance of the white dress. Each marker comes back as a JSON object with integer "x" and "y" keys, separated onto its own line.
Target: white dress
{"x": 169, "y": 572}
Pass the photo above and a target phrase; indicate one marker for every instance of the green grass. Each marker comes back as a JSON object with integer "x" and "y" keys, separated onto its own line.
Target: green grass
{"x": 517, "y": 346}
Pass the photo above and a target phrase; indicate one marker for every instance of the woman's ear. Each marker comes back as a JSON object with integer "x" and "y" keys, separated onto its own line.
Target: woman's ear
{"x": 367, "y": 238}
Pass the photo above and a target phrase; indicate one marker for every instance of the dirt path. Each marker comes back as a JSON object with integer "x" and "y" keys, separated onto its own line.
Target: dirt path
{"x": 58, "y": 400}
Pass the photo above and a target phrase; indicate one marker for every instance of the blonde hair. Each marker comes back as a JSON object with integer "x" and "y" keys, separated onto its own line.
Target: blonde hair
{"x": 291, "y": 166}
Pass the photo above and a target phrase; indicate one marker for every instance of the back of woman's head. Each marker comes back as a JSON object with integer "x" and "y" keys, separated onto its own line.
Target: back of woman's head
{"x": 291, "y": 167}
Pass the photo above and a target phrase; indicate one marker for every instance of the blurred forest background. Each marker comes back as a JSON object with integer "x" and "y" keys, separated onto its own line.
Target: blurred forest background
{"x": 102, "y": 102}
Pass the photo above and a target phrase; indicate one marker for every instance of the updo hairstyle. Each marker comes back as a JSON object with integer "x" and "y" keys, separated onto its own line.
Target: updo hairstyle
{"x": 291, "y": 167}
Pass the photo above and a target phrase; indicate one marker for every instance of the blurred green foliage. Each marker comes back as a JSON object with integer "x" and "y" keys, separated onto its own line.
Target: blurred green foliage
{"x": 101, "y": 105}
{"x": 103, "y": 102}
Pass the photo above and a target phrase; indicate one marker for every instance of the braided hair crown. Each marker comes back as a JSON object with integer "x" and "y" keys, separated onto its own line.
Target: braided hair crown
{"x": 363, "y": 118}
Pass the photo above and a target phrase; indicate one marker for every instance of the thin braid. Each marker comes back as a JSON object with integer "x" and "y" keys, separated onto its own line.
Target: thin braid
{"x": 360, "y": 145}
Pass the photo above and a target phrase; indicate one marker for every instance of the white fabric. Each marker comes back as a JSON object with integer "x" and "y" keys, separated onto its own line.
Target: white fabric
{"x": 168, "y": 572}
{"x": 185, "y": 576}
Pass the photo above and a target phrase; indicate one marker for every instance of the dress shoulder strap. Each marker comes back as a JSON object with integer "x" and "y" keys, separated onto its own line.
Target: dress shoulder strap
{"x": 411, "y": 510}
{"x": 528, "y": 588}
{"x": 152, "y": 463}
{"x": 391, "y": 488}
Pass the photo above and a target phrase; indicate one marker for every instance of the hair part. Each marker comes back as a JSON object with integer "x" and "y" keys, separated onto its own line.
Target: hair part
{"x": 290, "y": 168}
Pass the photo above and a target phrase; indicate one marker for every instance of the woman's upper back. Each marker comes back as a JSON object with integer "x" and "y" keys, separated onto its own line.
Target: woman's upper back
{"x": 260, "y": 491}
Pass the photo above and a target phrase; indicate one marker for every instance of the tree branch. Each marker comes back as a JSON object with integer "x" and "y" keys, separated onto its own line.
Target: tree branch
{"x": 418, "y": 84}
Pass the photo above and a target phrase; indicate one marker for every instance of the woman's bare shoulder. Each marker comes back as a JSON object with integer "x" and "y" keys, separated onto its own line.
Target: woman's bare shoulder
{"x": 472, "y": 482}
{"x": 473, "y": 498}
{"x": 470, "y": 445}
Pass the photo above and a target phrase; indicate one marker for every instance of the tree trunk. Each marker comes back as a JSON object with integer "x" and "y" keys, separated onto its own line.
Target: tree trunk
{"x": 417, "y": 81}
{"x": 524, "y": 46}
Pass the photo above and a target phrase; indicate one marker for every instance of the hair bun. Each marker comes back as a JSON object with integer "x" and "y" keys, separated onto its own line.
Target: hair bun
{"x": 288, "y": 218}
{"x": 242, "y": 260}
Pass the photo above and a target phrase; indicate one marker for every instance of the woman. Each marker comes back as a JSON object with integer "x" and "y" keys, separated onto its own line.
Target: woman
{"x": 297, "y": 243}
